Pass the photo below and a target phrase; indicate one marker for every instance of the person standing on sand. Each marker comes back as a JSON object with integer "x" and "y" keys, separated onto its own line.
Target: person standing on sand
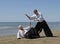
{"x": 41, "y": 23}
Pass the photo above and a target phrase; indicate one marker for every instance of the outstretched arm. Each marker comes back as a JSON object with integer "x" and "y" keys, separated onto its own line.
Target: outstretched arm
{"x": 31, "y": 18}
{"x": 27, "y": 16}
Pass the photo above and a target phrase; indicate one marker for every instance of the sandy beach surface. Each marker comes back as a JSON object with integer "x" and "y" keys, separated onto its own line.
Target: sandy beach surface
{"x": 11, "y": 39}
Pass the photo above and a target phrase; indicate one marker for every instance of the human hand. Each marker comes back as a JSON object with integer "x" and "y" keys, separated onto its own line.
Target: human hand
{"x": 26, "y": 15}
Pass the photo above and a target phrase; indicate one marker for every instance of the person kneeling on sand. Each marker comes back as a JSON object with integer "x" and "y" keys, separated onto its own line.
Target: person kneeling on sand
{"x": 27, "y": 32}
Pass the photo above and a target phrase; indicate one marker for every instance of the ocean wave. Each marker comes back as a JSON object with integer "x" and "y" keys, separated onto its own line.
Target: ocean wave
{"x": 7, "y": 27}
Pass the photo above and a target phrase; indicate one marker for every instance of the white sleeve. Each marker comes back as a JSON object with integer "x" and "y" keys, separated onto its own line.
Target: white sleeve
{"x": 27, "y": 28}
{"x": 35, "y": 18}
{"x": 20, "y": 34}
{"x": 32, "y": 17}
{"x": 39, "y": 18}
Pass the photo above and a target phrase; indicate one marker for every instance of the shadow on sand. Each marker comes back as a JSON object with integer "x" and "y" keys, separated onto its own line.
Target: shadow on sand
{"x": 44, "y": 37}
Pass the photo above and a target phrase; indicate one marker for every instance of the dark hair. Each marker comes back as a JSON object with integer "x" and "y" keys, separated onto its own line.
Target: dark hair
{"x": 35, "y": 10}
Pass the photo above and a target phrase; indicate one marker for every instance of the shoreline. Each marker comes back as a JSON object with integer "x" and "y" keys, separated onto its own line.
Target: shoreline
{"x": 17, "y": 31}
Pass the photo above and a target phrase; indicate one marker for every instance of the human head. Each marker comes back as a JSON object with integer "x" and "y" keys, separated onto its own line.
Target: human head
{"x": 35, "y": 11}
{"x": 20, "y": 27}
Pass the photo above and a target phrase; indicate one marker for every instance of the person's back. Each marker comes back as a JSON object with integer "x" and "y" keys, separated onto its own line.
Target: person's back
{"x": 20, "y": 34}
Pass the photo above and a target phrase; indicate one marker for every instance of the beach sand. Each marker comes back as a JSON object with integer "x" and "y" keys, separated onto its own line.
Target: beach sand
{"x": 11, "y": 39}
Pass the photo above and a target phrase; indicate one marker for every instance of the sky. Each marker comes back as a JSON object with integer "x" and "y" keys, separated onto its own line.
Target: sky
{"x": 14, "y": 10}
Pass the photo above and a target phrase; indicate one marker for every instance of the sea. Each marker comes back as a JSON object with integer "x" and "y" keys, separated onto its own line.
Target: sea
{"x": 11, "y": 28}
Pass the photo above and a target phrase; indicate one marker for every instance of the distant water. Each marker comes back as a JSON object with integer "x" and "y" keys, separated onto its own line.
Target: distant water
{"x": 11, "y": 28}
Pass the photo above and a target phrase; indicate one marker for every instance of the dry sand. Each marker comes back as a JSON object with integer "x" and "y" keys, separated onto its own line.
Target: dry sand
{"x": 43, "y": 40}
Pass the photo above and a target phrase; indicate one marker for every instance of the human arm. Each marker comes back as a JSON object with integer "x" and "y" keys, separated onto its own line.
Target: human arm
{"x": 39, "y": 17}
{"x": 31, "y": 18}
{"x": 27, "y": 16}
{"x": 27, "y": 28}
{"x": 20, "y": 34}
